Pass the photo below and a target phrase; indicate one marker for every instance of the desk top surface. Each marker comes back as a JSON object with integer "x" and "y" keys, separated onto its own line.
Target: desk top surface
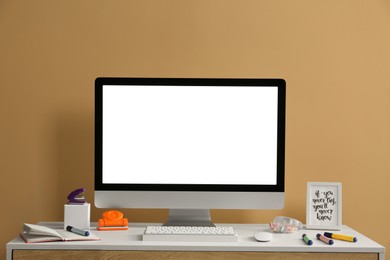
{"x": 131, "y": 239}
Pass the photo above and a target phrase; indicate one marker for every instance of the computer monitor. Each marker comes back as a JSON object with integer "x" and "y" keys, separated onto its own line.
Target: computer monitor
{"x": 189, "y": 145}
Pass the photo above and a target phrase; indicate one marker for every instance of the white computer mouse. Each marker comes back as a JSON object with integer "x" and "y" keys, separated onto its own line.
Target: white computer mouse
{"x": 263, "y": 236}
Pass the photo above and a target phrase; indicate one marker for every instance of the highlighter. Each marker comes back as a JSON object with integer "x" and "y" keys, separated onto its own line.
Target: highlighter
{"x": 307, "y": 239}
{"x": 325, "y": 239}
{"x": 340, "y": 237}
{"x": 77, "y": 231}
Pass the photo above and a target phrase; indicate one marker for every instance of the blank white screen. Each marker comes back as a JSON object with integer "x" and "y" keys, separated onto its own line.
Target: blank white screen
{"x": 189, "y": 135}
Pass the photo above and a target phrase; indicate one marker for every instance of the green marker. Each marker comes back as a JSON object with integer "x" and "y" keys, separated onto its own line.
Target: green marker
{"x": 307, "y": 239}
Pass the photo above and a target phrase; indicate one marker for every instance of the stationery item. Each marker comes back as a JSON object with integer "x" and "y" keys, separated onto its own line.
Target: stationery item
{"x": 77, "y": 196}
{"x": 77, "y": 231}
{"x": 38, "y": 234}
{"x": 285, "y": 225}
{"x": 113, "y": 220}
{"x": 307, "y": 239}
{"x": 77, "y": 215}
{"x": 340, "y": 237}
{"x": 77, "y": 210}
{"x": 325, "y": 239}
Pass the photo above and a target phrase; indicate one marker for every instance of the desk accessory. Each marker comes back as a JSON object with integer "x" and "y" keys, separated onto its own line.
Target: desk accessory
{"x": 38, "y": 234}
{"x": 325, "y": 239}
{"x": 282, "y": 224}
{"x": 263, "y": 236}
{"x": 154, "y": 233}
{"x": 307, "y": 239}
{"x": 77, "y": 196}
{"x": 323, "y": 207}
{"x": 113, "y": 220}
{"x": 77, "y": 231}
{"x": 340, "y": 237}
{"x": 77, "y": 210}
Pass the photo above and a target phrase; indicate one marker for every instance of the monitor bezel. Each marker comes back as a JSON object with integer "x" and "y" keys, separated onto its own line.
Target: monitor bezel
{"x": 102, "y": 81}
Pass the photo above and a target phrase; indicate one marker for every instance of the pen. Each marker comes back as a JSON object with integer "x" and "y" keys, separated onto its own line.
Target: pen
{"x": 307, "y": 239}
{"x": 325, "y": 239}
{"x": 340, "y": 237}
{"x": 77, "y": 231}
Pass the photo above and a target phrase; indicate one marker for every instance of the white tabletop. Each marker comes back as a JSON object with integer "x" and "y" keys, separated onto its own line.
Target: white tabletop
{"x": 131, "y": 239}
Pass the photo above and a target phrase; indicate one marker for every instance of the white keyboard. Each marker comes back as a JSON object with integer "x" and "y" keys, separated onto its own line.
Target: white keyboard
{"x": 190, "y": 234}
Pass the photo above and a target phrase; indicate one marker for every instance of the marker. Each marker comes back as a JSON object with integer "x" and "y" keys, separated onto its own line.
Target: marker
{"x": 77, "y": 231}
{"x": 340, "y": 237}
{"x": 325, "y": 239}
{"x": 307, "y": 240}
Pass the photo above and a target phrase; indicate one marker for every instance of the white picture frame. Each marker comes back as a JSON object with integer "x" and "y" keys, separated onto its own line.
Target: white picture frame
{"x": 324, "y": 205}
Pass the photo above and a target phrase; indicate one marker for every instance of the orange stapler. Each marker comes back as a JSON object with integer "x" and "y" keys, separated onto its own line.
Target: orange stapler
{"x": 113, "y": 220}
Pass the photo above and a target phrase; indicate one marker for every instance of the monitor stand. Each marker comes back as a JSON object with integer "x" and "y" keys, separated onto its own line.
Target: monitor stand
{"x": 189, "y": 217}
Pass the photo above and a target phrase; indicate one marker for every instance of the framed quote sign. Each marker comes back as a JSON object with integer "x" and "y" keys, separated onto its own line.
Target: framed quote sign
{"x": 323, "y": 208}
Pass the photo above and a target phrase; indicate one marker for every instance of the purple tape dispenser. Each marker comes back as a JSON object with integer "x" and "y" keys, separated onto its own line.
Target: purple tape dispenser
{"x": 77, "y": 197}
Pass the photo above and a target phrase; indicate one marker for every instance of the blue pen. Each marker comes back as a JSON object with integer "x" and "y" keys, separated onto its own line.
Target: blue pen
{"x": 77, "y": 231}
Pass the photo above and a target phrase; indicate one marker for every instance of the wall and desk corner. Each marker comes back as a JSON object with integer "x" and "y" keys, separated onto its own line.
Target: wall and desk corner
{"x": 334, "y": 56}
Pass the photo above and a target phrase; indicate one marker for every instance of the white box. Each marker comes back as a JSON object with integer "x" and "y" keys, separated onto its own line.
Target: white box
{"x": 77, "y": 216}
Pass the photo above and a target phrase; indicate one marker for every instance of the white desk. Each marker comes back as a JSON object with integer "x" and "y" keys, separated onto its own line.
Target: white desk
{"x": 129, "y": 245}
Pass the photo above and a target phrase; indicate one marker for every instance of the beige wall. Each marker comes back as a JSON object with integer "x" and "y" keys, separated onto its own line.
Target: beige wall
{"x": 334, "y": 55}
